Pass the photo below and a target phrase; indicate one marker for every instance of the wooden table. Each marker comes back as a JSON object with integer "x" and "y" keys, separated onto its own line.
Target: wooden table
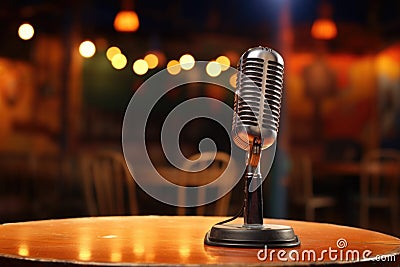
{"x": 166, "y": 240}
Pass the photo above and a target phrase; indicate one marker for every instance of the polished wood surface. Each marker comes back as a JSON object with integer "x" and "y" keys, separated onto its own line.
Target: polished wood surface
{"x": 168, "y": 240}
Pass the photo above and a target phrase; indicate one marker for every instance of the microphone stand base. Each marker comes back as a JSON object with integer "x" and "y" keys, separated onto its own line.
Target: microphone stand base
{"x": 236, "y": 235}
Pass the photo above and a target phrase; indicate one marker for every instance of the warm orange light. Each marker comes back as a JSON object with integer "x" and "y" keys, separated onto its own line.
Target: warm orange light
{"x": 84, "y": 254}
{"x": 224, "y": 61}
{"x": 126, "y": 21}
{"x": 387, "y": 66}
{"x": 160, "y": 56}
{"x": 23, "y": 250}
{"x": 112, "y": 51}
{"x": 232, "y": 80}
{"x": 116, "y": 256}
{"x": 324, "y": 29}
{"x": 152, "y": 60}
{"x": 173, "y": 67}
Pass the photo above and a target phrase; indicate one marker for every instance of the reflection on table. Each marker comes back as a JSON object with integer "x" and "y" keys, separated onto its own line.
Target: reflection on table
{"x": 165, "y": 240}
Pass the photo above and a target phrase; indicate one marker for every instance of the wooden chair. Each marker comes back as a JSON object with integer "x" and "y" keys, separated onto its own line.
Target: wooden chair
{"x": 109, "y": 188}
{"x": 379, "y": 185}
{"x": 216, "y": 166}
{"x": 16, "y": 172}
{"x": 302, "y": 189}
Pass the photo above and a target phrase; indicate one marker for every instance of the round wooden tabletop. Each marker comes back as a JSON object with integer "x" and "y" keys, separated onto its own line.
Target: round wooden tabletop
{"x": 173, "y": 240}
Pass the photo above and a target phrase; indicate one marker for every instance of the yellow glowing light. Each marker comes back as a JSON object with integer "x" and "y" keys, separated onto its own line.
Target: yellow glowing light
{"x": 224, "y": 61}
{"x": 116, "y": 256}
{"x": 23, "y": 250}
{"x": 140, "y": 67}
{"x": 84, "y": 254}
{"x": 119, "y": 61}
{"x": 187, "y": 62}
{"x": 184, "y": 252}
{"x": 232, "y": 80}
{"x": 112, "y": 51}
{"x": 87, "y": 49}
{"x": 213, "y": 69}
{"x": 138, "y": 250}
{"x": 388, "y": 67}
{"x": 26, "y": 31}
{"x": 126, "y": 21}
{"x": 152, "y": 60}
{"x": 173, "y": 67}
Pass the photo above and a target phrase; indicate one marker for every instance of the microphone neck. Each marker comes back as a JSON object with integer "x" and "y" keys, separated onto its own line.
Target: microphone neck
{"x": 253, "y": 202}
{"x": 255, "y": 152}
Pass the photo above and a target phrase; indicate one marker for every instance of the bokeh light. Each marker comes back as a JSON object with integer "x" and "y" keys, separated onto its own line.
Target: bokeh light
{"x": 324, "y": 29}
{"x": 232, "y": 80}
{"x": 26, "y": 31}
{"x": 87, "y": 49}
{"x": 213, "y": 69}
{"x": 387, "y": 67}
{"x": 187, "y": 62}
{"x": 112, "y": 51}
{"x": 119, "y": 61}
{"x": 173, "y": 67}
{"x": 126, "y": 21}
{"x": 140, "y": 66}
{"x": 152, "y": 60}
{"x": 224, "y": 61}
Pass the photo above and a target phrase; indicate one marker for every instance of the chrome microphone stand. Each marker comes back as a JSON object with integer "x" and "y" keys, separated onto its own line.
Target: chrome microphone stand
{"x": 253, "y": 233}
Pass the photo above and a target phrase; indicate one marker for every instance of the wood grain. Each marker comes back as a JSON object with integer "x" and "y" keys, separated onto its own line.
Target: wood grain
{"x": 172, "y": 240}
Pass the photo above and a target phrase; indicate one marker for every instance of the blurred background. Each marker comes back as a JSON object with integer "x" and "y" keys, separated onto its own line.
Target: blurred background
{"x": 69, "y": 68}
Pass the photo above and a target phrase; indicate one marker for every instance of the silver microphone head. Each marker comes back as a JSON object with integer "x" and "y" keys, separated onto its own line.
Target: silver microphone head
{"x": 258, "y": 97}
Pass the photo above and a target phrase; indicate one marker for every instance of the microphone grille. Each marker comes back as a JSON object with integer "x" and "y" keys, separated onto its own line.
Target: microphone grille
{"x": 258, "y": 95}
{"x": 273, "y": 94}
{"x": 249, "y": 90}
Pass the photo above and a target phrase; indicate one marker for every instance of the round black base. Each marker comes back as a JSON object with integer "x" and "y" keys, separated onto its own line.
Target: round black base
{"x": 235, "y": 235}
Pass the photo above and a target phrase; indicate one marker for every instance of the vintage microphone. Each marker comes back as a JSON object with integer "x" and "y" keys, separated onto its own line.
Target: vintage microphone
{"x": 254, "y": 128}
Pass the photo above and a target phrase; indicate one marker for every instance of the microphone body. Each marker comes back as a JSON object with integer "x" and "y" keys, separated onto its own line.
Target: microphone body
{"x": 254, "y": 128}
{"x": 256, "y": 119}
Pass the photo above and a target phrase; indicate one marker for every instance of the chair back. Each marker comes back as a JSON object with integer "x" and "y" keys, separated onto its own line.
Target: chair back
{"x": 213, "y": 168}
{"x": 301, "y": 180}
{"x": 380, "y": 174}
{"x": 109, "y": 188}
